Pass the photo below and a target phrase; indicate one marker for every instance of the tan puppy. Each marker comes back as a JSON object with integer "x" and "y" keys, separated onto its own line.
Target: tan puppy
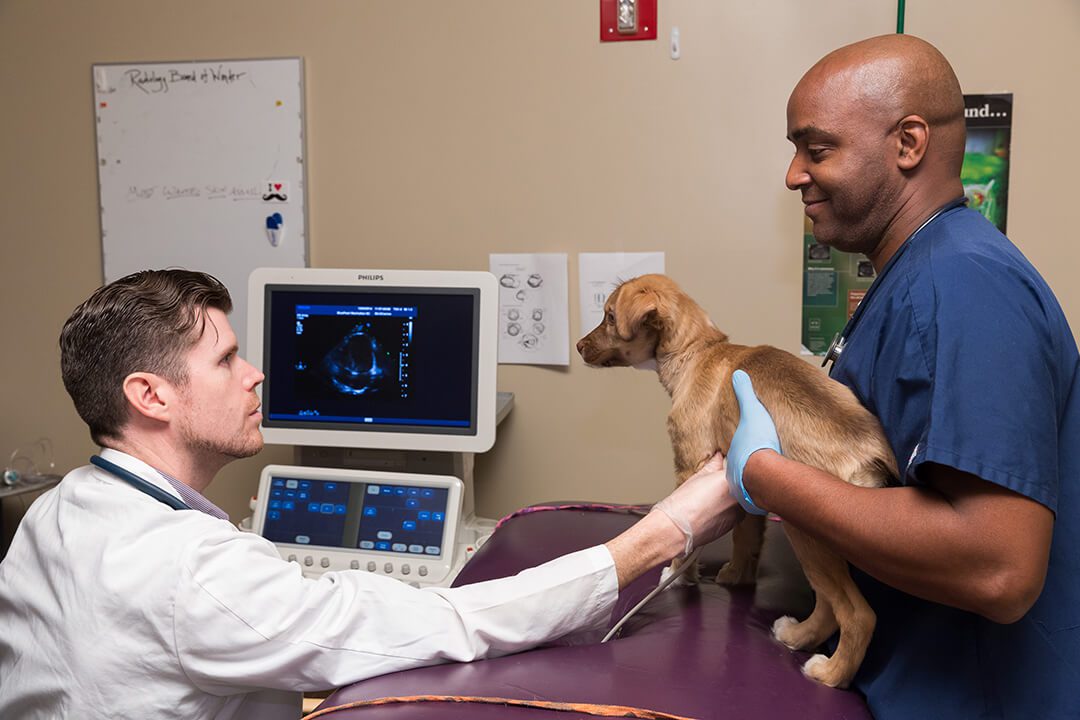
{"x": 819, "y": 421}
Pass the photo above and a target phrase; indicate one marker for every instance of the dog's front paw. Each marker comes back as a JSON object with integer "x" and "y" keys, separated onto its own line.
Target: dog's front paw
{"x": 692, "y": 574}
{"x": 731, "y": 574}
{"x": 681, "y": 581}
{"x": 784, "y": 630}
{"x": 822, "y": 669}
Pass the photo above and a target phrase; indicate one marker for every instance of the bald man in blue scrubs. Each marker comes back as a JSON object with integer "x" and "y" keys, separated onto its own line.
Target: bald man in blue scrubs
{"x": 972, "y": 563}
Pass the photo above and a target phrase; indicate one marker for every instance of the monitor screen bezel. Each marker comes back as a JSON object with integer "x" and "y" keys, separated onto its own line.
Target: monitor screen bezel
{"x": 479, "y": 439}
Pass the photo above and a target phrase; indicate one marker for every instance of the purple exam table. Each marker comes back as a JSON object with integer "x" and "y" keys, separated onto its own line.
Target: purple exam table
{"x": 701, "y": 652}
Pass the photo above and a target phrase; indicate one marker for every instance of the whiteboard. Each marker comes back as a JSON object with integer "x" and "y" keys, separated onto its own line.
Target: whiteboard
{"x": 194, "y": 160}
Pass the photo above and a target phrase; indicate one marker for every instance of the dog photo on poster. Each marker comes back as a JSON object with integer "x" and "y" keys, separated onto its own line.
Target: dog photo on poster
{"x": 835, "y": 282}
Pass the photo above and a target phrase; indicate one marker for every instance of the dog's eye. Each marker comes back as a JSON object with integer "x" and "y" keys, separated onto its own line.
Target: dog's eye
{"x": 610, "y": 317}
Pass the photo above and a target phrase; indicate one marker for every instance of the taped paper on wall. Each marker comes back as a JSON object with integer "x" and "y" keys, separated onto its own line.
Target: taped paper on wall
{"x": 534, "y": 308}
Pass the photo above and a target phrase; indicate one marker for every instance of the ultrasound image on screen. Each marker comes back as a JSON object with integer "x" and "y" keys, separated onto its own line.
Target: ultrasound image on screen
{"x": 359, "y": 364}
{"x": 345, "y": 358}
{"x": 353, "y": 351}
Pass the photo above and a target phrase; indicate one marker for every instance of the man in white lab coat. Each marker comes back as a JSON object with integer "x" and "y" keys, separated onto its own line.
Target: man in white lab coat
{"x": 113, "y": 603}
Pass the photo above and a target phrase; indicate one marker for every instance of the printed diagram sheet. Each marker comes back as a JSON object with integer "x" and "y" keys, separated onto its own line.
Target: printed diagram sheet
{"x": 600, "y": 273}
{"x": 534, "y": 308}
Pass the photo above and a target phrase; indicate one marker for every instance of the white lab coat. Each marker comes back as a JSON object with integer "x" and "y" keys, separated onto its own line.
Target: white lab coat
{"x": 113, "y": 605}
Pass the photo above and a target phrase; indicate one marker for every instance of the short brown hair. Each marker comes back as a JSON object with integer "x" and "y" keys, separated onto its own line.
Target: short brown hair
{"x": 140, "y": 323}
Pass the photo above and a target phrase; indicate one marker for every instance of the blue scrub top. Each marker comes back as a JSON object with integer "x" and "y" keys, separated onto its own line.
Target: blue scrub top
{"x": 963, "y": 353}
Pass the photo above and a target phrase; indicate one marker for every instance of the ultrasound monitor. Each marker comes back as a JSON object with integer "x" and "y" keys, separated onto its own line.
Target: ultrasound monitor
{"x": 393, "y": 359}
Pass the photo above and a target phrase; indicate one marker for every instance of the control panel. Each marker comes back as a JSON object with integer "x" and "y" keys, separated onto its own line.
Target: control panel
{"x": 403, "y": 525}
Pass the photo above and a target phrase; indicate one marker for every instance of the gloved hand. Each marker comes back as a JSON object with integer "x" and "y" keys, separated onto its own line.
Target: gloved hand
{"x": 701, "y": 507}
{"x": 756, "y": 431}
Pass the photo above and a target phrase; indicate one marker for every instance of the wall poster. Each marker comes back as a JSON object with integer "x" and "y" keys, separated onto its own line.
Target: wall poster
{"x": 985, "y": 173}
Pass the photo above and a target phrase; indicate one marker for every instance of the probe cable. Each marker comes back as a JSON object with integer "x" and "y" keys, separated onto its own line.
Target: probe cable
{"x": 640, "y": 510}
{"x": 690, "y": 561}
{"x": 596, "y": 710}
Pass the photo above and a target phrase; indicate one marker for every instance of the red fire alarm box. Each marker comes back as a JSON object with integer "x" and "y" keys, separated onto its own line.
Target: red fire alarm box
{"x": 627, "y": 20}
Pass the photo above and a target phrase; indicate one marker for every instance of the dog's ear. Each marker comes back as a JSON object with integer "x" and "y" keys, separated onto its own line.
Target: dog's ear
{"x": 633, "y": 309}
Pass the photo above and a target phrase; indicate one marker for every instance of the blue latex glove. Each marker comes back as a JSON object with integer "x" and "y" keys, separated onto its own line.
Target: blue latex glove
{"x": 756, "y": 431}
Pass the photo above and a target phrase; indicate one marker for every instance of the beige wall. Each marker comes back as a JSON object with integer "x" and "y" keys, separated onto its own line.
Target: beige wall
{"x": 440, "y": 132}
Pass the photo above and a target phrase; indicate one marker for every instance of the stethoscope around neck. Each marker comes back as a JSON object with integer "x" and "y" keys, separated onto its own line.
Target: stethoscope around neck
{"x": 138, "y": 483}
{"x": 840, "y": 339}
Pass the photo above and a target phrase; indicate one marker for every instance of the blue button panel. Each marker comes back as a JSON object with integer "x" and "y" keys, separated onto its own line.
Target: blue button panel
{"x": 387, "y": 518}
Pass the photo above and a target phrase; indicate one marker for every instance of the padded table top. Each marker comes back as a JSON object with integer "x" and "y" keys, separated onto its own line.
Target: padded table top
{"x": 702, "y": 652}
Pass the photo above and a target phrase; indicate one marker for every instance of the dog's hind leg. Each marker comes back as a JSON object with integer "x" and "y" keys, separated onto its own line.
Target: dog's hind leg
{"x": 828, "y": 574}
{"x": 746, "y": 542}
{"x": 809, "y": 633}
{"x": 821, "y": 624}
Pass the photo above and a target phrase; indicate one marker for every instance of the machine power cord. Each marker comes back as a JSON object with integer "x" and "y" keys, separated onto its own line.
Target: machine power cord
{"x": 596, "y": 710}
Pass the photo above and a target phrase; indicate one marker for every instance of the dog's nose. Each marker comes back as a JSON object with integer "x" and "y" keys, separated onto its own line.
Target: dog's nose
{"x": 580, "y": 345}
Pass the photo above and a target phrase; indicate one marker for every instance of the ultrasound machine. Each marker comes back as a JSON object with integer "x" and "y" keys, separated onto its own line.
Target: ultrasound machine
{"x": 384, "y": 382}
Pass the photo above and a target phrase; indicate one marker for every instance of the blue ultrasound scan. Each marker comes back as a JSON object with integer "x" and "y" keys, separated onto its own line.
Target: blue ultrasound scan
{"x": 358, "y": 364}
{"x": 354, "y": 350}
{"x": 375, "y": 517}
